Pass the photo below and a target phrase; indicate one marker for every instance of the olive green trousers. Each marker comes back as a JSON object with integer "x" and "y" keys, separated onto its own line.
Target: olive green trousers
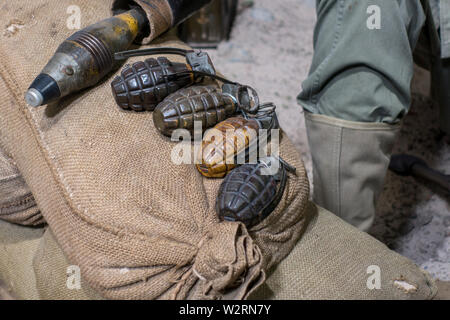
{"x": 357, "y": 92}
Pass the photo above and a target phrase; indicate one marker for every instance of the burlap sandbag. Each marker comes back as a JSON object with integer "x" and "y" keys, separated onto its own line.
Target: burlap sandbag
{"x": 17, "y": 204}
{"x": 17, "y": 249}
{"x": 105, "y": 184}
{"x": 334, "y": 260}
{"x": 329, "y": 261}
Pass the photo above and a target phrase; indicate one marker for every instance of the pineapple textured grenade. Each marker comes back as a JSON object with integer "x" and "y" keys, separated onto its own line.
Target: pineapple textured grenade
{"x": 248, "y": 195}
{"x": 204, "y": 103}
{"x": 217, "y": 154}
{"x": 144, "y": 84}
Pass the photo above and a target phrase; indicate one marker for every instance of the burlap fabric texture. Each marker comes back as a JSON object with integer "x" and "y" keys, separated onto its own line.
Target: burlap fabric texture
{"x": 330, "y": 261}
{"x": 137, "y": 225}
{"x": 17, "y": 204}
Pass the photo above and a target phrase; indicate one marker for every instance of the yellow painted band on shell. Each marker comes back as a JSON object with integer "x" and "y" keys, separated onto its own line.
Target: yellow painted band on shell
{"x": 159, "y": 14}
{"x": 133, "y": 24}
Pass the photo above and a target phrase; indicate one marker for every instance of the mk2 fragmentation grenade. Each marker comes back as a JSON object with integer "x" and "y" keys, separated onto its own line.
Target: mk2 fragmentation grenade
{"x": 207, "y": 104}
{"x": 249, "y": 195}
{"x": 142, "y": 85}
{"x": 222, "y": 145}
{"x": 219, "y": 149}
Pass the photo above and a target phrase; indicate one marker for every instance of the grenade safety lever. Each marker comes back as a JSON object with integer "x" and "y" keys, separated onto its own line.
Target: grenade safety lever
{"x": 198, "y": 60}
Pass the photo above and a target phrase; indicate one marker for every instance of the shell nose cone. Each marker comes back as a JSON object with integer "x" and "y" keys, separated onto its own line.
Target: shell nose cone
{"x": 43, "y": 90}
{"x": 34, "y": 98}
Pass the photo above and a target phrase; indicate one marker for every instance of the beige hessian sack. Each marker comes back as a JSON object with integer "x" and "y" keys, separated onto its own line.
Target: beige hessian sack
{"x": 136, "y": 224}
{"x": 17, "y": 204}
{"x": 330, "y": 261}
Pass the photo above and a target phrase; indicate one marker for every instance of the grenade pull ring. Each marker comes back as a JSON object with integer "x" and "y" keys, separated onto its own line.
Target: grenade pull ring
{"x": 263, "y": 111}
{"x": 286, "y": 165}
{"x": 246, "y": 97}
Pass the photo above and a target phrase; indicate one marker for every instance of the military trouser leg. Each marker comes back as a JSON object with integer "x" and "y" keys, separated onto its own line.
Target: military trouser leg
{"x": 428, "y": 56}
{"x": 356, "y": 93}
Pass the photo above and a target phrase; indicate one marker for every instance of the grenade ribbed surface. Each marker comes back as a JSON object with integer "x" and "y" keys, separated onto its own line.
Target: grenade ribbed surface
{"x": 142, "y": 85}
{"x": 218, "y": 148}
{"x": 206, "y": 104}
{"x": 244, "y": 194}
